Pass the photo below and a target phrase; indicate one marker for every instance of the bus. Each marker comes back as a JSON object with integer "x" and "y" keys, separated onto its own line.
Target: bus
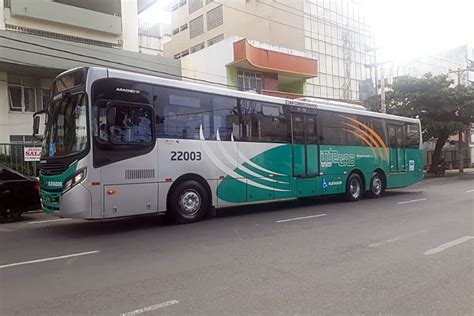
{"x": 119, "y": 144}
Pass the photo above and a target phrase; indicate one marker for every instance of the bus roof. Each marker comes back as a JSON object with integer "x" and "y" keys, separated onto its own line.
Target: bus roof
{"x": 314, "y": 104}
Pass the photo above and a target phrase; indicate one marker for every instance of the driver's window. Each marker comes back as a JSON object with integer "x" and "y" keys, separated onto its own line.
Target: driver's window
{"x": 125, "y": 124}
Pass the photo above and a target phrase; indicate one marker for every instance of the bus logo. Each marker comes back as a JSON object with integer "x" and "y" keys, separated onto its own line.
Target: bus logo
{"x": 331, "y": 156}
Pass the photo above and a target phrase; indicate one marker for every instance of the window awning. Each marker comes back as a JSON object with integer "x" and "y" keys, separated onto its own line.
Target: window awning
{"x": 247, "y": 56}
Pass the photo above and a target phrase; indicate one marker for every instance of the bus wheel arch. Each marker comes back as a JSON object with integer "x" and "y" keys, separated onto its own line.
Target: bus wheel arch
{"x": 378, "y": 183}
{"x": 355, "y": 185}
{"x": 193, "y": 184}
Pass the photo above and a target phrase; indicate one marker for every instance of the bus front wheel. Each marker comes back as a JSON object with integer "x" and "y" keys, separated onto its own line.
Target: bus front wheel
{"x": 188, "y": 202}
{"x": 354, "y": 188}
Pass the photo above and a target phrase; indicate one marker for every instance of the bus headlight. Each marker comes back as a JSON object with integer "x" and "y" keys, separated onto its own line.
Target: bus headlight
{"x": 77, "y": 178}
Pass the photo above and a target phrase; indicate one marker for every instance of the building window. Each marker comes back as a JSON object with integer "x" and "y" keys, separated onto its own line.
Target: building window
{"x": 197, "y": 47}
{"x": 185, "y": 53}
{"x": 214, "y": 18}
{"x": 22, "y": 93}
{"x": 196, "y": 27}
{"x": 175, "y": 31}
{"x": 194, "y": 5}
{"x": 177, "y": 56}
{"x": 45, "y": 96}
{"x": 216, "y": 39}
{"x": 174, "y": 6}
{"x": 22, "y": 139}
{"x": 183, "y": 27}
{"x": 249, "y": 80}
{"x": 182, "y": 3}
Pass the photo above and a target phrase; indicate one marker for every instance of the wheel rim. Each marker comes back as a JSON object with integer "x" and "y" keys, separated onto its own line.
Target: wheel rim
{"x": 354, "y": 188}
{"x": 189, "y": 202}
{"x": 377, "y": 186}
{"x": 9, "y": 213}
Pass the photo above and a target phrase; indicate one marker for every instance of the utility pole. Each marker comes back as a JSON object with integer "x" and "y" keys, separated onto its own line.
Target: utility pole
{"x": 375, "y": 65}
{"x": 382, "y": 91}
{"x": 459, "y": 73}
{"x": 382, "y": 82}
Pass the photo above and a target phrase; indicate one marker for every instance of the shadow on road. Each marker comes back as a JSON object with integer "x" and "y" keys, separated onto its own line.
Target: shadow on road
{"x": 78, "y": 229}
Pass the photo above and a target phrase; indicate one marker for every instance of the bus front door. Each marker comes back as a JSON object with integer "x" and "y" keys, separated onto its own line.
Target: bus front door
{"x": 305, "y": 154}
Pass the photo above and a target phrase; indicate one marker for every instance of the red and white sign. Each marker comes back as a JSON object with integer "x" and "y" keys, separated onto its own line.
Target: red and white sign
{"x": 32, "y": 153}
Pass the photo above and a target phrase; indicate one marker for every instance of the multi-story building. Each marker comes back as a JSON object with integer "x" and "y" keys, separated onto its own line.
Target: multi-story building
{"x": 41, "y": 38}
{"x": 152, "y": 37}
{"x": 332, "y": 32}
{"x": 441, "y": 63}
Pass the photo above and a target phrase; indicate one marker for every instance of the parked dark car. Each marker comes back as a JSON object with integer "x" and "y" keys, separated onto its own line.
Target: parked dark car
{"x": 18, "y": 194}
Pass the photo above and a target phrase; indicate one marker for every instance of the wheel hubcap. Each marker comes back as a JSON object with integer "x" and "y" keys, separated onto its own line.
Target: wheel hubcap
{"x": 190, "y": 202}
{"x": 354, "y": 188}
{"x": 377, "y": 185}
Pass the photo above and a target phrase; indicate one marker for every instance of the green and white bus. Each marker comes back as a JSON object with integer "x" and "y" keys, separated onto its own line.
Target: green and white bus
{"x": 120, "y": 144}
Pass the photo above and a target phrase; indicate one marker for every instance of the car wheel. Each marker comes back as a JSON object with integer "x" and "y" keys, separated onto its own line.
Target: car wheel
{"x": 354, "y": 188}
{"x": 377, "y": 185}
{"x": 188, "y": 202}
{"x": 9, "y": 215}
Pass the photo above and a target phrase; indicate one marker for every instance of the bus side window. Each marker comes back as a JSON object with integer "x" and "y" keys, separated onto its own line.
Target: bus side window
{"x": 125, "y": 124}
{"x": 332, "y": 129}
{"x": 392, "y": 137}
{"x": 378, "y": 126}
{"x": 412, "y": 136}
{"x": 182, "y": 113}
{"x": 224, "y": 118}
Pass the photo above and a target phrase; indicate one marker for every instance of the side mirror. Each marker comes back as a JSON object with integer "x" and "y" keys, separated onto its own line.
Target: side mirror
{"x": 36, "y": 124}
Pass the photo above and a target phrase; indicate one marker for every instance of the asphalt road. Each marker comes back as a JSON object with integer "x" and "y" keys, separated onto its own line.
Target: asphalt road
{"x": 410, "y": 252}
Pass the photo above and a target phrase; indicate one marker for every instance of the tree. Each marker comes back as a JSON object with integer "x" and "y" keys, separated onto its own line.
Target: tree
{"x": 443, "y": 110}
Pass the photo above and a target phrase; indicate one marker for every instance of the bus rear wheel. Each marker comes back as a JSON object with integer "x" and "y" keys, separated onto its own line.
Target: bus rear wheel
{"x": 377, "y": 185}
{"x": 188, "y": 202}
{"x": 354, "y": 188}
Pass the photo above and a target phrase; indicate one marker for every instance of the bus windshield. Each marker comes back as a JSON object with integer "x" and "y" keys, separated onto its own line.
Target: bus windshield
{"x": 66, "y": 127}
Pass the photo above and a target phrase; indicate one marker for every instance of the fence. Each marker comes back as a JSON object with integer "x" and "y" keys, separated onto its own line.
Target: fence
{"x": 12, "y": 156}
{"x": 451, "y": 157}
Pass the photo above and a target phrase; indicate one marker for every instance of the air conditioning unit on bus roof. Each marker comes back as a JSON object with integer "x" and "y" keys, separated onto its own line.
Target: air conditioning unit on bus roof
{"x": 333, "y": 103}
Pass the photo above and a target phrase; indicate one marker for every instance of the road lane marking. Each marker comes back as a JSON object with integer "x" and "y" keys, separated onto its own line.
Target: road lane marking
{"x": 384, "y": 242}
{"x": 48, "y": 259}
{"x": 298, "y": 218}
{"x": 412, "y": 201}
{"x": 7, "y": 230}
{"x": 50, "y": 220}
{"x": 380, "y": 243}
{"x": 150, "y": 308}
{"x": 448, "y": 245}
{"x": 469, "y": 191}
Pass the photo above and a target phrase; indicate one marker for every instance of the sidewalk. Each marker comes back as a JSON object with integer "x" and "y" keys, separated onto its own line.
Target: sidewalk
{"x": 451, "y": 173}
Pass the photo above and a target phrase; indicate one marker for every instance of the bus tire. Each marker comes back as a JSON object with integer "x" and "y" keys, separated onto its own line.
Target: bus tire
{"x": 354, "y": 188}
{"x": 188, "y": 202}
{"x": 377, "y": 185}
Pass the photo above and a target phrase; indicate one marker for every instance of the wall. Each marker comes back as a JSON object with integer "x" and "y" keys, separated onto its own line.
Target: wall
{"x": 61, "y": 28}
{"x": 2, "y": 15}
{"x": 11, "y": 122}
{"x": 238, "y": 23}
{"x": 130, "y": 25}
{"x": 210, "y": 63}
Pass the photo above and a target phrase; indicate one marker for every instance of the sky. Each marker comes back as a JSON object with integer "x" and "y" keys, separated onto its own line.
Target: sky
{"x": 405, "y": 29}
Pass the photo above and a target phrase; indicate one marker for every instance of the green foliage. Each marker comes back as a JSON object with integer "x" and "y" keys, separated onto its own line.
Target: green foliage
{"x": 442, "y": 108}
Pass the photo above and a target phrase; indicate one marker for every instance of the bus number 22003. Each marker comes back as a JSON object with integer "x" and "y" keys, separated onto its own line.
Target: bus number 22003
{"x": 185, "y": 155}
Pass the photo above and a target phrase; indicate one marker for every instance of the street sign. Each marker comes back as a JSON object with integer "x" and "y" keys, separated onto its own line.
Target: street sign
{"x": 32, "y": 153}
